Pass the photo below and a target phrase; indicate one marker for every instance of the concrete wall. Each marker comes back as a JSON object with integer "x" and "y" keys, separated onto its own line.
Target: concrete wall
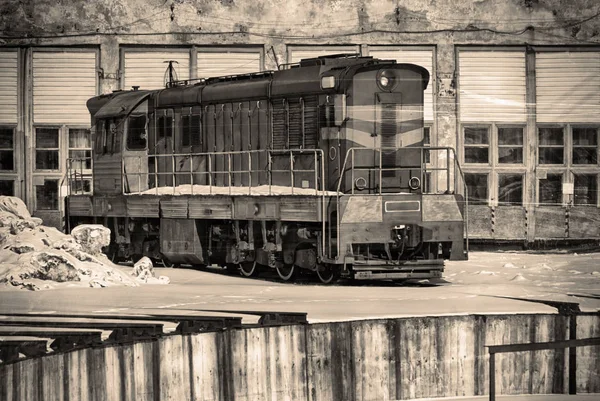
{"x": 362, "y": 360}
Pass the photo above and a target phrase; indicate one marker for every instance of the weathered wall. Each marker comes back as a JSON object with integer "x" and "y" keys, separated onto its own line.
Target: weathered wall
{"x": 362, "y": 360}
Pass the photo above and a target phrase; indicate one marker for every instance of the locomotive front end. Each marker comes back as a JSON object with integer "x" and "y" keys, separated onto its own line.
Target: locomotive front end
{"x": 400, "y": 210}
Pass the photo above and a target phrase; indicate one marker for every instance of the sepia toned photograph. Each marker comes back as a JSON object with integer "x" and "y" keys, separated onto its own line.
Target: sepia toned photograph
{"x": 322, "y": 200}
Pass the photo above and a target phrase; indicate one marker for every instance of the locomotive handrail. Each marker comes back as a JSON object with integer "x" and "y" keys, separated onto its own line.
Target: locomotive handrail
{"x": 78, "y": 175}
{"x": 229, "y": 173}
{"x": 379, "y": 168}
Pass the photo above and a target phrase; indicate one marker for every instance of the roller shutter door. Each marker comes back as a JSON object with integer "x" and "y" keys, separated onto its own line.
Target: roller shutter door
{"x": 148, "y": 69}
{"x": 215, "y": 64}
{"x": 8, "y": 87}
{"x": 63, "y": 81}
{"x": 568, "y": 87}
{"x": 492, "y": 86}
{"x": 297, "y": 54}
{"x": 424, "y": 58}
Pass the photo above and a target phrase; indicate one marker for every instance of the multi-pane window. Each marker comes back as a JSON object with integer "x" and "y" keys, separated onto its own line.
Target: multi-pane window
{"x": 510, "y": 189}
{"x": 477, "y": 145}
{"x": 46, "y": 195}
{"x": 7, "y": 187}
{"x": 165, "y": 127}
{"x": 80, "y": 148}
{"x": 46, "y": 148}
{"x": 550, "y": 190}
{"x": 477, "y": 188}
{"x": 7, "y": 152}
{"x": 551, "y": 145}
{"x": 586, "y": 189}
{"x": 80, "y": 155}
{"x": 585, "y": 145}
{"x": 510, "y": 145}
{"x": 190, "y": 130}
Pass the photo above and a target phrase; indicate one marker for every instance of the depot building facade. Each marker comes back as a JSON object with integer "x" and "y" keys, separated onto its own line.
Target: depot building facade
{"x": 520, "y": 106}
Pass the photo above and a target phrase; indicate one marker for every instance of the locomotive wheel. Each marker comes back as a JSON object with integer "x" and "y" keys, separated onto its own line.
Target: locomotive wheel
{"x": 249, "y": 269}
{"x": 287, "y": 272}
{"x": 327, "y": 273}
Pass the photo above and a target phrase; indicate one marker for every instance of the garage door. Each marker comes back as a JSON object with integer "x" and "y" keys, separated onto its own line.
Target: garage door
{"x": 568, "y": 87}
{"x": 423, "y": 57}
{"x": 63, "y": 81}
{"x": 295, "y": 54}
{"x": 492, "y": 86}
{"x": 148, "y": 69}
{"x": 215, "y": 64}
{"x": 8, "y": 87}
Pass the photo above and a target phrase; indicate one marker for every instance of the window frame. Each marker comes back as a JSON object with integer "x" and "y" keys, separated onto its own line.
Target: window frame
{"x": 572, "y": 142}
{"x": 13, "y": 149}
{"x": 57, "y": 149}
{"x": 565, "y": 145}
{"x": 493, "y": 168}
{"x": 568, "y": 169}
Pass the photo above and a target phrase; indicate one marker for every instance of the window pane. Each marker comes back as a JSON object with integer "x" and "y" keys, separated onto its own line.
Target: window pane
{"x": 510, "y": 155}
{"x": 551, "y": 190}
{"x": 551, "y": 136}
{"x": 476, "y": 155}
{"x": 585, "y": 155}
{"x": 6, "y": 138}
{"x": 81, "y": 186}
{"x": 46, "y": 160}
{"x": 585, "y": 189}
{"x": 510, "y": 189}
{"x": 585, "y": 136}
{"x": 7, "y": 161}
{"x": 510, "y": 136}
{"x": 196, "y": 128}
{"x": 137, "y": 136}
{"x": 477, "y": 185}
{"x": 46, "y": 138}
{"x": 47, "y": 195}
{"x": 426, "y": 136}
{"x": 476, "y": 136}
{"x": 82, "y": 159}
{"x": 80, "y": 138}
{"x": 185, "y": 131}
{"x": 551, "y": 155}
{"x": 7, "y": 187}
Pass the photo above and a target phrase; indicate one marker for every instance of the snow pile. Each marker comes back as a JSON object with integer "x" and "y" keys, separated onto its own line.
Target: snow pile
{"x": 33, "y": 256}
{"x": 143, "y": 271}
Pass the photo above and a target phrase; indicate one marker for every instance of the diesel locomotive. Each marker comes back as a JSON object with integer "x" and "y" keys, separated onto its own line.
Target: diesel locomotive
{"x": 317, "y": 168}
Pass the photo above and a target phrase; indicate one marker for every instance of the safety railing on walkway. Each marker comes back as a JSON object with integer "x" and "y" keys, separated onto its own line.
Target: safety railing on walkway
{"x": 496, "y": 349}
{"x": 300, "y": 170}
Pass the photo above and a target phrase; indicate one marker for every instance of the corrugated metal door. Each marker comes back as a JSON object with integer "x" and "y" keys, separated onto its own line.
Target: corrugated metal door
{"x": 492, "y": 86}
{"x": 148, "y": 69}
{"x": 567, "y": 87}
{"x": 63, "y": 81}
{"x": 8, "y": 87}
{"x": 295, "y": 54}
{"x": 422, "y": 57}
{"x": 215, "y": 64}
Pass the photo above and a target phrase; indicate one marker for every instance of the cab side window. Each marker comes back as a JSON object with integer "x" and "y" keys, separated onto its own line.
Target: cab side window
{"x": 137, "y": 137}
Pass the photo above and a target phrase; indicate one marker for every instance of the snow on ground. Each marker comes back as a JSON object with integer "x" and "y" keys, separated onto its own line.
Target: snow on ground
{"x": 558, "y": 276}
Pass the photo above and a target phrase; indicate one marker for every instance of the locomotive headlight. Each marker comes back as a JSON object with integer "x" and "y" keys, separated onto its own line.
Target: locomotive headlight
{"x": 414, "y": 183}
{"x": 386, "y": 80}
